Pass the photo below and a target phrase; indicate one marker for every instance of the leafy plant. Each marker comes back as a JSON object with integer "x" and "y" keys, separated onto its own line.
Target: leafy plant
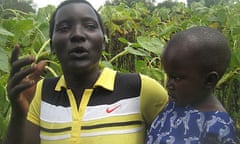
{"x": 135, "y": 37}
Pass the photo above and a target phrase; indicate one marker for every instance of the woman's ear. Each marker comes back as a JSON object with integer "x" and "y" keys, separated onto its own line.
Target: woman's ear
{"x": 105, "y": 41}
{"x": 212, "y": 79}
{"x": 103, "y": 47}
{"x": 51, "y": 47}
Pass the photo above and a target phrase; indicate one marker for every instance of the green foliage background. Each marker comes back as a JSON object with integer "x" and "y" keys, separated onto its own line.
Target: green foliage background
{"x": 135, "y": 37}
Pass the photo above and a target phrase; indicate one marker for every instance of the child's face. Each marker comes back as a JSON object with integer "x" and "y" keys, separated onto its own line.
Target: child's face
{"x": 185, "y": 84}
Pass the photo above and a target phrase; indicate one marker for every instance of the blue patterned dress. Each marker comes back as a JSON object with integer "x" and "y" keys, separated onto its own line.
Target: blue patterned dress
{"x": 186, "y": 125}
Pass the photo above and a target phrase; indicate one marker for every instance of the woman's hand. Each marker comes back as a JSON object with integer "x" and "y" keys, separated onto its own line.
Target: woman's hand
{"x": 22, "y": 81}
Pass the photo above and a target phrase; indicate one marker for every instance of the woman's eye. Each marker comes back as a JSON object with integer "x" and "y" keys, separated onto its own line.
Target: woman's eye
{"x": 63, "y": 28}
{"x": 91, "y": 26}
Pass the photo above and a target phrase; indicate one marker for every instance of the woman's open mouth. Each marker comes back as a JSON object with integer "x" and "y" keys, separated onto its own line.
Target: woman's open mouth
{"x": 78, "y": 52}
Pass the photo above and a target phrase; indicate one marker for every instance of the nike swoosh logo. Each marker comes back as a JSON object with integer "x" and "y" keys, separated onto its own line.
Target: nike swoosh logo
{"x": 109, "y": 110}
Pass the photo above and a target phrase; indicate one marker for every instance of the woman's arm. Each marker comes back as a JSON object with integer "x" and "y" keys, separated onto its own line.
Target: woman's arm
{"x": 21, "y": 89}
{"x": 32, "y": 133}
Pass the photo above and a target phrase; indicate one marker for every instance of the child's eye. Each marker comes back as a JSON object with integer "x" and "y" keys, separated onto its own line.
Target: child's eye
{"x": 177, "y": 78}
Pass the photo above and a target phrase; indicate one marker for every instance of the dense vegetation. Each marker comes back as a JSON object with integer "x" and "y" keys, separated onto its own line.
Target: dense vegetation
{"x": 135, "y": 36}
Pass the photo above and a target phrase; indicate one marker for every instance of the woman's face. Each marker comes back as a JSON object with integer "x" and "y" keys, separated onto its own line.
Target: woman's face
{"x": 77, "y": 38}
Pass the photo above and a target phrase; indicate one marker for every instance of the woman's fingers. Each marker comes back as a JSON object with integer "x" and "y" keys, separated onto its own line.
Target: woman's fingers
{"x": 14, "y": 93}
{"x": 19, "y": 76}
{"x": 23, "y": 78}
{"x": 22, "y": 81}
{"x": 39, "y": 70}
{"x": 18, "y": 82}
{"x": 16, "y": 64}
{"x": 19, "y": 64}
{"x": 15, "y": 54}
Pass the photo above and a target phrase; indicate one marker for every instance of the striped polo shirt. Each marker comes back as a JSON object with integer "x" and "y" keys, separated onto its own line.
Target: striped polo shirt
{"x": 115, "y": 111}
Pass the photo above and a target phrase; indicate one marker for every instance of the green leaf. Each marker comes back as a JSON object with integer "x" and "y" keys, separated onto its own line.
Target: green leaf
{"x": 135, "y": 45}
{"x": 221, "y": 15}
{"x": 235, "y": 31}
{"x": 153, "y": 45}
{"x": 138, "y": 52}
{"x": 105, "y": 64}
{"x": 156, "y": 73}
{"x": 22, "y": 30}
{"x": 5, "y": 32}
{"x": 4, "y": 112}
{"x": 140, "y": 66}
{"x": 167, "y": 30}
{"x": 123, "y": 40}
{"x": 235, "y": 58}
{"x": 3, "y": 60}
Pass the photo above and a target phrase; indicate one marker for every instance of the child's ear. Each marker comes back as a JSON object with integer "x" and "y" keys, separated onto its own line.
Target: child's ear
{"x": 212, "y": 79}
{"x": 51, "y": 47}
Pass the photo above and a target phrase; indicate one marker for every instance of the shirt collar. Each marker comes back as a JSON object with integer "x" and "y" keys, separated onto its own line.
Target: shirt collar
{"x": 105, "y": 80}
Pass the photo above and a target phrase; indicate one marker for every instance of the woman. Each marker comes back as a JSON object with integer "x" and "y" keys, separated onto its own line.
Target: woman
{"x": 85, "y": 104}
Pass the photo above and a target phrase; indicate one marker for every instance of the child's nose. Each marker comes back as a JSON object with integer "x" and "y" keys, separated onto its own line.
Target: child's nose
{"x": 170, "y": 84}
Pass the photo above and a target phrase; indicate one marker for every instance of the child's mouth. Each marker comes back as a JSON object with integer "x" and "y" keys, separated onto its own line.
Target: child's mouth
{"x": 172, "y": 97}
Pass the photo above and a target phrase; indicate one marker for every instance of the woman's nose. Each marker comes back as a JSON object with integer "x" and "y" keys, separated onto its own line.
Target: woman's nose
{"x": 78, "y": 34}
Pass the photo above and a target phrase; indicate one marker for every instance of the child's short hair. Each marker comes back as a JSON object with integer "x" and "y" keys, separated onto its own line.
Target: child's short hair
{"x": 210, "y": 46}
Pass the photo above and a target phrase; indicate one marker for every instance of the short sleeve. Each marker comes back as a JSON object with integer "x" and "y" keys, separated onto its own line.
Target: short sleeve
{"x": 34, "y": 109}
{"x": 222, "y": 131}
{"x": 153, "y": 98}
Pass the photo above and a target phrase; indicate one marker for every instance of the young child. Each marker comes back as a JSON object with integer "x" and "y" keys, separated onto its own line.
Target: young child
{"x": 194, "y": 60}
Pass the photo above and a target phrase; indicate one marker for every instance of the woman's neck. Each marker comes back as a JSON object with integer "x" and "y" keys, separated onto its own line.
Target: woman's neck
{"x": 81, "y": 80}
